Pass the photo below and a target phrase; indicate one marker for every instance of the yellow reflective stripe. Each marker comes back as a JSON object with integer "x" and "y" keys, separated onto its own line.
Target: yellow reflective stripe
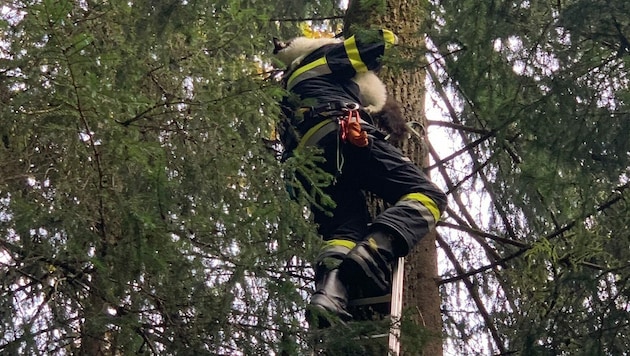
{"x": 338, "y": 242}
{"x": 353, "y": 55}
{"x": 311, "y": 132}
{"x": 305, "y": 68}
{"x": 390, "y": 38}
{"x": 426, "y": 201}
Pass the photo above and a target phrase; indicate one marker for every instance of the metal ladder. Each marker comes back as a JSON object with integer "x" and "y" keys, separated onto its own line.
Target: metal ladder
{"x": 395, "y": 307}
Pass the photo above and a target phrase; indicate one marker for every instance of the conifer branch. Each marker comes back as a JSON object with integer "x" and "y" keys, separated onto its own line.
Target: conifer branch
{"x": 616, "y": 197}
{"x": 302, "y": 19}
{"x": 474, "y": 293}
{"x": 459, "y": 127}
{"x": 97, "y": 156}
{"x": 468, "y": 147}
{"x": 485, "y": 235}
{"x": 462, "y": 206}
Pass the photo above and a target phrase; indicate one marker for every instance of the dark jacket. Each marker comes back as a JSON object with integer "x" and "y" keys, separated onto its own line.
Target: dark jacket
{"x": 325, "y": 74}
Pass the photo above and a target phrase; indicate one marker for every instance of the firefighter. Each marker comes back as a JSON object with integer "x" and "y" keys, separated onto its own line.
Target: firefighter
{"x": 325, "y": 107}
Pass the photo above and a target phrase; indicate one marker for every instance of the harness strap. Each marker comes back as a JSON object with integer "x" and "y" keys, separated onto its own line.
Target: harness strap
{"x": 317, "y": 132}
{"x": 343, "y": 118}
{"x": 349, "y": 126}
{"x": 329, "y": 109}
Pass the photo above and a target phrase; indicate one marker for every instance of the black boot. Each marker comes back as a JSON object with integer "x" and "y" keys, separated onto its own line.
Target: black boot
{"x": 367, "y": 268}
{"x": 329, "y": 300}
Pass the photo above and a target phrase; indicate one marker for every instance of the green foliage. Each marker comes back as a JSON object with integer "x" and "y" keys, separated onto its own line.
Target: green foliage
{"x": 413, "y": 336}
{"x": 140, "y": 211}
{"x": 303, "y": 163}
{"x": 353, "y": 338}
{"x": 358, "y": 337}
{"x": 540, "y": 102}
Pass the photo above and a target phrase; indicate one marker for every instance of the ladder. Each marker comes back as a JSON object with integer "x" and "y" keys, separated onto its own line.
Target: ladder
{"x": 394, "y": 299}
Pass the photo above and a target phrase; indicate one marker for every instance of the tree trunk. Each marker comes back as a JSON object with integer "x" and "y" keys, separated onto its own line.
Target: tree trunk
{"x": 404, "y": 17}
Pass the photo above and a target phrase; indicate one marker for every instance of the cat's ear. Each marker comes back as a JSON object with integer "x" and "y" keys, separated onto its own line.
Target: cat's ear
{"x": 278, "y": 45}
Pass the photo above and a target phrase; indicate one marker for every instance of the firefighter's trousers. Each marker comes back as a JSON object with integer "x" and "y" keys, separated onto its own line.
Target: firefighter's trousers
{"x": 415, "y": 203}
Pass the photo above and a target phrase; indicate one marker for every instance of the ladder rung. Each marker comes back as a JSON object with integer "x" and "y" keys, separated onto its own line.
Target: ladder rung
{"x": 374, "y": 336}
{"x": 371, "y": 300}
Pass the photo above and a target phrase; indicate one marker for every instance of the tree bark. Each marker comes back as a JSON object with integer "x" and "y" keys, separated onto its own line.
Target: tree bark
{"x": 407, "y": 86}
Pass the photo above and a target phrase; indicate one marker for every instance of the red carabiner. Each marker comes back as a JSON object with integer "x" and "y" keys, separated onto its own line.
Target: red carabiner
{"x": 351, "y": 129}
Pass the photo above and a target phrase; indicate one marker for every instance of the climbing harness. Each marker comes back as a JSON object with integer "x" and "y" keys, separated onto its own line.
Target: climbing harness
{"x": 343, "y": 118}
